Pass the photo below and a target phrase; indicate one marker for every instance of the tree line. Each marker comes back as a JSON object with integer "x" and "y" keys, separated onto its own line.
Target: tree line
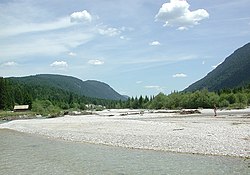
{"x": 45, "y": 99}
{"x": 226, "y": 98}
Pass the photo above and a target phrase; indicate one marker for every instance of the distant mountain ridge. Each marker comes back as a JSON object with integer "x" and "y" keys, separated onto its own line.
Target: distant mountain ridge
{"x": 89, "y": 88}
{"x": 232, "y": 73}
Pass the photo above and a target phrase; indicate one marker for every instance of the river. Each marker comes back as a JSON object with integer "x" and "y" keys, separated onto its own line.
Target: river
{"x": 26, "y": 154}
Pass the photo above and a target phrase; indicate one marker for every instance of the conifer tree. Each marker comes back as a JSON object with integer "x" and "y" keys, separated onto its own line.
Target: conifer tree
{"x": 2, "y": 93}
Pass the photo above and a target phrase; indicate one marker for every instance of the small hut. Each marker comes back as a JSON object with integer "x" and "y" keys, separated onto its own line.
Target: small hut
{"x": 21, "y": 108}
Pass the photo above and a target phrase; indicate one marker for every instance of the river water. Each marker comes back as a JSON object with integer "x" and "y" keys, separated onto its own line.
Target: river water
{"x": 26, "y": 154}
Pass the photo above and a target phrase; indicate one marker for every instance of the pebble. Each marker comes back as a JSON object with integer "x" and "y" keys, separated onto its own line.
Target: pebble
{"x": 200, "y": 134}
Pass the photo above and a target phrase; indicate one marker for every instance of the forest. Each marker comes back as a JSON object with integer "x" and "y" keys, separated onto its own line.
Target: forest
{"x": 236, "y": 98}
{"x": 46, "y": 100}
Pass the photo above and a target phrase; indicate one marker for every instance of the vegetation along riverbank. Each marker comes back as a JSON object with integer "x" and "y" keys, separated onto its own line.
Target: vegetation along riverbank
{"x": 49, "y": 101}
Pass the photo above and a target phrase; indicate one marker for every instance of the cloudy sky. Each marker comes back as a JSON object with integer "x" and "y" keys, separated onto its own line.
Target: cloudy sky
{"x": 138, "y": 47}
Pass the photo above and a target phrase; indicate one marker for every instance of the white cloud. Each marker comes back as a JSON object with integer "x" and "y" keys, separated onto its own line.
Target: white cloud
{"x": 34, "y": 27}
{"x": 203, "y": 62}
{"x": 110, "y": 31}
{"x": 179, "y": 75}
{"x": 96, "y": 62}
{"x": 138, "y": 82}
{"x": 45, "y": 44}
{"x": 127, "y": 29}
{"x": 37, "y": 35}
{"x": 155, "y": 43}
{"x": 83, "y": 16}
{"x": 122, "y": 37}
{"x": 72, "y": 54}
{"x": 125, "y": 38}
{"x": 176, "y": 13}
{"x": 216, "y": 65}
{"x": 158, "y": 88}
{"x": 160, "y": 60}
{"x": 151, "y": 87}
{"x": 10, "y": 63}
{"x": 61, "y": 65}
{"x": 182, "y": 28}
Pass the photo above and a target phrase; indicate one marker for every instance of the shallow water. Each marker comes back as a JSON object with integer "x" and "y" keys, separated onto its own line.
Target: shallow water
{"x": 30, "y": 154}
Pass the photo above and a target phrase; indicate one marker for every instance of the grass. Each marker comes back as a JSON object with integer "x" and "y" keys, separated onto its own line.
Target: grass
{"x": 52, "y": 113}
{"x": 10, "y": 115}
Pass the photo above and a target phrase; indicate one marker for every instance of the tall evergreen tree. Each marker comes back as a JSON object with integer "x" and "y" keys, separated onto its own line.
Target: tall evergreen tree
{"x": 2, "y": 89}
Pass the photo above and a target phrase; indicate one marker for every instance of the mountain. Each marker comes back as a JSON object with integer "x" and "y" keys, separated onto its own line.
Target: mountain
{"x": 89, "y": 88}
{"x": 233, "y": 72}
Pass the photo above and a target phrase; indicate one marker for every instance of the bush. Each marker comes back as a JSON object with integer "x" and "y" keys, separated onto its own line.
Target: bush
{"x": 238, "y": 106}
{"x": 82, "y": 106}
{"x": 224, "y": 103}
{"x": 45, "y": 108}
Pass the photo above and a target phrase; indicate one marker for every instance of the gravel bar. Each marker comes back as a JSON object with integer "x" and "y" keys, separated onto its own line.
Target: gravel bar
{"x": 227, "y": 134}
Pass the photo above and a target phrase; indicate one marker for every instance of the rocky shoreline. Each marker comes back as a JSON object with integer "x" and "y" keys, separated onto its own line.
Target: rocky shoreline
{"x": 198, "y": 133}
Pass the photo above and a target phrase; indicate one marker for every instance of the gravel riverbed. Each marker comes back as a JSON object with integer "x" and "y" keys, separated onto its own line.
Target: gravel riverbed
{"x": 227, "y": 134}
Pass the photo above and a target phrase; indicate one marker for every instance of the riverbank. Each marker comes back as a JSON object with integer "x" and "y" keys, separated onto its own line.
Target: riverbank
{"x": 24, "y": 154}
{"x": 227, "y": 134}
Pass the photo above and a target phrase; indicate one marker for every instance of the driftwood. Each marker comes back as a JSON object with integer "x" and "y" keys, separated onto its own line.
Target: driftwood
{"x": 190, "y": 111}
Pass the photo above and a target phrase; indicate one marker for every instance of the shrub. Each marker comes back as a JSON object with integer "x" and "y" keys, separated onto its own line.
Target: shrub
{"x": 224, "y": 103}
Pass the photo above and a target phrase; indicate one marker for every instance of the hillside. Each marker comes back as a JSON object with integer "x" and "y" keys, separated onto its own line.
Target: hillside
{"x": 90, "y": 88}
{"x": 233, "y": 72}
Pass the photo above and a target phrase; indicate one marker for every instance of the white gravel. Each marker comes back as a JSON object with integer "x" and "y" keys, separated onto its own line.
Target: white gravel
{"x": 226, "y": 134}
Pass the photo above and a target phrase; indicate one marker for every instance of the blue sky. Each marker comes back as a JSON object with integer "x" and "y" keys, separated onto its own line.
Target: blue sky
{"x": 138, "y": 47}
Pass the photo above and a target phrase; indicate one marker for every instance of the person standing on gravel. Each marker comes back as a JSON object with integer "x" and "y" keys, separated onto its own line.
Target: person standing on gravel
{"x": 215, "y": 110}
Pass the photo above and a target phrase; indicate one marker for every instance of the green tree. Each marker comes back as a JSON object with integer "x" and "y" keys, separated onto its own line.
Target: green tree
{"x": 213, "y": 99}
{"x": 71, "y": 99}
{"x": 241, "y": 98}
{"x": 231, "y": 98}
{"x": 18, "y": 95}
{"x": 2, "y": 93}
{"x": 135, "y": 103}
{"x": 140, "y": 102}
{"x": 224, "y": 103}
{"x": 158, "y": 102}
{"x": 27, "y": 100}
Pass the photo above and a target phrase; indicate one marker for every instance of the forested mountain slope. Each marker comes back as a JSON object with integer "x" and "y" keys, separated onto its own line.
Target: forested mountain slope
{"x": 90, "y": 88}
{"x": 233, "y": 72}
